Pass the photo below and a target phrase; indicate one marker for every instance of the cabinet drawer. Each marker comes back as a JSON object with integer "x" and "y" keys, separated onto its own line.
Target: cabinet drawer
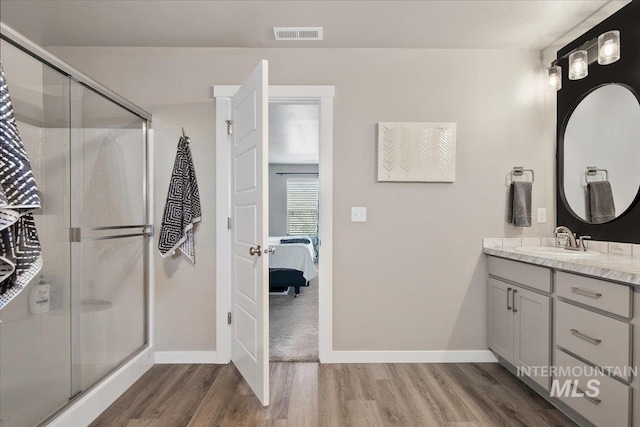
{"x": 518, "y": 272}
{"x": 599, "y": 339}
{"x": 611, "y": 407}
{"x": 606, "y": 296}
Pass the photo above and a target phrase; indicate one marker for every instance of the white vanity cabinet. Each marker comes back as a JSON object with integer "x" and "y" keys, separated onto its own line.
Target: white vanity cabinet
{"x": 586, "y": 323}
{"x": 519, "y": 317}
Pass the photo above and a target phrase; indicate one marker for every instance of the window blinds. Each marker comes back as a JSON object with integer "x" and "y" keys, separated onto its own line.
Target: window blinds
{"x": 302, "y": 207}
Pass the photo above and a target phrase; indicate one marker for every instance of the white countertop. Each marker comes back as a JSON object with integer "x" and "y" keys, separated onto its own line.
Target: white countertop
{"x": 618, "y": 268}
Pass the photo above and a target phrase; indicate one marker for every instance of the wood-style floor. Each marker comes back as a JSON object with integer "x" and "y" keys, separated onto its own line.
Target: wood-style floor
{"x": 309, "y": 394}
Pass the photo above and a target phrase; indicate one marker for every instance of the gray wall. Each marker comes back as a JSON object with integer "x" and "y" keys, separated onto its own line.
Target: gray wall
{"x": 278, "y": 194}
{"x": 419, "y": 283}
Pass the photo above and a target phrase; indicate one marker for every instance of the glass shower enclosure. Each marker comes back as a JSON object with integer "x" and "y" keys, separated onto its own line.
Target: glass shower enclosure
{"x": 86, "y": 314}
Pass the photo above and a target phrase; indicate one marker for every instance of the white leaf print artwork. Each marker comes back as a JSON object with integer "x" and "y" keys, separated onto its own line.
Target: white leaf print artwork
{"x": 389, "y": 147}
{"x": 406, "y": 156}
{"x": 425, "y": 149}
{"x": 416, "y": 152}
{"x": 446, "y": 149}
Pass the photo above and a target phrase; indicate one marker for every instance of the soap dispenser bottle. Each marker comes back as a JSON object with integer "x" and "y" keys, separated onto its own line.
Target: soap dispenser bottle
{"x": 39, "y": 297}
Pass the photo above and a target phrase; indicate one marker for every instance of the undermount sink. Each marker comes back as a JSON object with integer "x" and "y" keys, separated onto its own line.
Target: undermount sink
{"x": 543, "y": 250}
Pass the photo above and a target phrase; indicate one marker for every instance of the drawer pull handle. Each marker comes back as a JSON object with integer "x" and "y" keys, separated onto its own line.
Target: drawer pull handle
{"x": 578, "y": 334}
{"x": 508, "y": 292}
{"x": 593, "y": 400}
{"x": 579, "y": 291}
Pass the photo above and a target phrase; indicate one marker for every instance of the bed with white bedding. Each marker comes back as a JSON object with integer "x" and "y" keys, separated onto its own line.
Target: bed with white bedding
{"x": 292, "y": 263}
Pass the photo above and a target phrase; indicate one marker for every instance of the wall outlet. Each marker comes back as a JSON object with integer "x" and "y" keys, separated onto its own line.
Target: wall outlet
{"x": 542, "y": 215}
{"x": 358, "y": 214}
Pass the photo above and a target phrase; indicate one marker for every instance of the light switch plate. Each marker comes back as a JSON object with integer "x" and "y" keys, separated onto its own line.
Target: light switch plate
{"x": 358, "y": 214}
{"x": 542, "y": 215}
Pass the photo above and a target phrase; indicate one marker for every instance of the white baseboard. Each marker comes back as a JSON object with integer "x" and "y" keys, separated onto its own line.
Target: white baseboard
{"x": 452, "y": 356}
{"x": 90, "y": 406}
{"x": 199, "y": 357}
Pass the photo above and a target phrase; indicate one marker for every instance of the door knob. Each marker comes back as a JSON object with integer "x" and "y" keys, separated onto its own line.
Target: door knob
{"x": 255, "y": 251}
{"x": 270, "y": 250}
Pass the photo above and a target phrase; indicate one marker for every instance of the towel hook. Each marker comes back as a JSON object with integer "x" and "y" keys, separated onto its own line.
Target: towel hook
{"x": 184, "y": 135}
{"x": 519, "y": 171}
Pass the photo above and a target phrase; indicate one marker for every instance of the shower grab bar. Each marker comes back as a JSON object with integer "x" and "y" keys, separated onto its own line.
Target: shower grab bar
{"x": 75, "y": 233}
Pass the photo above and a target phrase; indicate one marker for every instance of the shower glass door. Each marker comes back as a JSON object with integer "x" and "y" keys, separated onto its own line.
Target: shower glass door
{"x": 108, "y": 235}
{"x": 35, "y": 333}
{"x": 85, "y": 315}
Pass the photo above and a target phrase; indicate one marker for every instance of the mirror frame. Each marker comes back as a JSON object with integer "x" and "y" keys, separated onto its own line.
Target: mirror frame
{"x": 626, "y": 72}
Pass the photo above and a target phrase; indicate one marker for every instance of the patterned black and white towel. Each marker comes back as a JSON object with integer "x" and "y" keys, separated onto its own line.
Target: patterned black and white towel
{"x": 20, "y": 254}
{"x": 182, "y": 209}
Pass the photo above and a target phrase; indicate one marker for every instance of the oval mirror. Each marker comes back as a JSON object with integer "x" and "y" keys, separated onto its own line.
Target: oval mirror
{"x": 602, "y": 143}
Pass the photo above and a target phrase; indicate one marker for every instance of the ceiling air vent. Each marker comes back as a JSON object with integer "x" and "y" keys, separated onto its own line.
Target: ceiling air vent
{"x": 298, "y": 33}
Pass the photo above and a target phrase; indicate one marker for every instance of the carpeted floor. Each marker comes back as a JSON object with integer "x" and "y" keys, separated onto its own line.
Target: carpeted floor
{"x": 293, "y": 325}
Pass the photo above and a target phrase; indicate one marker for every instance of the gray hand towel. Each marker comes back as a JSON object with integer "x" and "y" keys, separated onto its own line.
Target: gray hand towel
{"x": 601, "y": 206}
{"x": 520, "y": 203}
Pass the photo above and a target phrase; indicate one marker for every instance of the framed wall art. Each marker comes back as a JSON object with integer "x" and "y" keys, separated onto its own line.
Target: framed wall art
{"x": 416, "y": 152}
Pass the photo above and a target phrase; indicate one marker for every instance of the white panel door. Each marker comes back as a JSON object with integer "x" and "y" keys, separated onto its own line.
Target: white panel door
{"x": 249, "y": 204}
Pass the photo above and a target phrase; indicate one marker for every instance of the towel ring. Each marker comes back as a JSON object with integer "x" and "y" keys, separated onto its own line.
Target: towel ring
{"x": 593, "y": 171}
{"x": 519, "y": 171}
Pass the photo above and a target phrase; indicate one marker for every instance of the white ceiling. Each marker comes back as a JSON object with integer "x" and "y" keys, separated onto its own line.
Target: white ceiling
{"x": 516, "y": 24}
{"x": 294, "y": 132}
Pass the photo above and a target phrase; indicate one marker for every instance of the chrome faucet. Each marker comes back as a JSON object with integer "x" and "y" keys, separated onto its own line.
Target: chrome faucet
{"x": 572, "y": 243}
{"x": 565, "y": 232}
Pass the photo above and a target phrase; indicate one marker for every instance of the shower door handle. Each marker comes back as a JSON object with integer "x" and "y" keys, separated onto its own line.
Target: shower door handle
{"x": 78, "y": 234}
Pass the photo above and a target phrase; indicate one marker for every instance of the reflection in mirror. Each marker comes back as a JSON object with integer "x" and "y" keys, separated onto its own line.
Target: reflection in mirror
{"x": 603, "y": 132}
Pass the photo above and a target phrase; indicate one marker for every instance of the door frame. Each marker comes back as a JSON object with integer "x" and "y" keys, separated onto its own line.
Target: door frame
{"x": 324, "y": 95}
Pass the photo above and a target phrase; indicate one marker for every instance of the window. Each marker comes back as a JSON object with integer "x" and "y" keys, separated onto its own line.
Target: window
{"x": 302, "y": 207}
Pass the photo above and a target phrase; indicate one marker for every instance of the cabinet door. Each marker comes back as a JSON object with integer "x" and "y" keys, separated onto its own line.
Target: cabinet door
{"x": 532, "y": 313}
{"x": 501, "y": 318}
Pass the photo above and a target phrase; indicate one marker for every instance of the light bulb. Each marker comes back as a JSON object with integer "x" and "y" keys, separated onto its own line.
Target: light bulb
{"x": 554, "y": 74}
{"x": 609, "y": 47}
{"x": 578, "y": 65}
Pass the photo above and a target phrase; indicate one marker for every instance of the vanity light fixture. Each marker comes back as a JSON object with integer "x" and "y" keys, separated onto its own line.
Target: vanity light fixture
{"x": 578, "y": 65}
{"x": 605, "y": 49}
{"x": 609, "y": 47}
{"x": 554, "y": 76}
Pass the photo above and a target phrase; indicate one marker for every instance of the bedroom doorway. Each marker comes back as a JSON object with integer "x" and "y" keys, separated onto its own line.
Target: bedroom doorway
{"x": 323, "y": 97}
{"x": 294, "y": 154}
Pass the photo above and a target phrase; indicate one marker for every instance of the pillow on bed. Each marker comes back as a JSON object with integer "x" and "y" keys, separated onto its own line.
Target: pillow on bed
{"x": 295, "y": 240}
